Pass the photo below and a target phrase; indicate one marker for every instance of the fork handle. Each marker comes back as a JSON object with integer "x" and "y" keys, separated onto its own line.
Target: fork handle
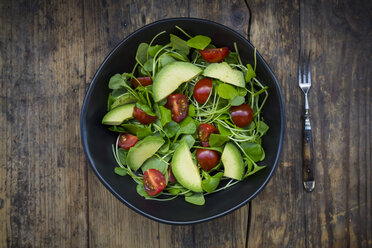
{"x": 307, "y": 153}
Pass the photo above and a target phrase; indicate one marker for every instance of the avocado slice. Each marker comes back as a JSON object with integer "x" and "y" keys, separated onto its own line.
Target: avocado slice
{"x": 184, "y": 169}
{"x": 233, "y": 162}
{"x": 171, "y": 76}
{"x": 143, "y": 150}
{"x": 123, "y": 99}
{"x": 117, "y": 115}
{"x": 224, "y": 72}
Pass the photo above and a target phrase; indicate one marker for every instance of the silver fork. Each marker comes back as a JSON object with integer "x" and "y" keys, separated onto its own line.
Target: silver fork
{"x": 304, "y": 81}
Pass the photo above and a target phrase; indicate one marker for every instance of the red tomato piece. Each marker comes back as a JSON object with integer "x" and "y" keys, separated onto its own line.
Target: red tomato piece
{"x": 153, "y": 181}
{"x": 204, "y": 131}
{"x": 142, "y": 117}
{"x": 202, "y": 89}
{"x": 178, "y": 105}
{"x": 145, "y": 81}
{"x": 207, "y": 159}
{"x": 241, "y": 115}
{"x": 171, "y": 177}
{"x": 214, "y": 55}
{"x": 127, "y": 140}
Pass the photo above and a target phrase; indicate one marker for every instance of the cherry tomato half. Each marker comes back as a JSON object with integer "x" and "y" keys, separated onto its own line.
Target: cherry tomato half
{"x": 145, "y": 81}
{"x": 204, "y": 131}
{"x": 178, "y": 105}
{"x": 214, "y": 55}
{"x": 207, "y": 159}
{"x": 202, "y": 89}
{"x": 171, "y": 177}
{"x": 142, "y": 117}
{"x": 127, "y": 140}
{"x": 153, "y": 181}
{"x": 241, "y": 115}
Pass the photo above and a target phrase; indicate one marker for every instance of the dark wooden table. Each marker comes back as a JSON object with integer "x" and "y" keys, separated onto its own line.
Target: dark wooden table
{"x": 49, "y": 196}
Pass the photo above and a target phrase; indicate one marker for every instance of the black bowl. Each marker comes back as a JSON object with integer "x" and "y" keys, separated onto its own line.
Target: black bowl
{"x": 97, "y": 140}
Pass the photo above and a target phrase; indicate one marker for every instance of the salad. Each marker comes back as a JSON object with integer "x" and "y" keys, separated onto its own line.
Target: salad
{"x": 188, "y": 118}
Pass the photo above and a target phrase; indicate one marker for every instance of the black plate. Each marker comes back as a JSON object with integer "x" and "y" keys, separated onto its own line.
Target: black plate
{"x": 97, "y": 140}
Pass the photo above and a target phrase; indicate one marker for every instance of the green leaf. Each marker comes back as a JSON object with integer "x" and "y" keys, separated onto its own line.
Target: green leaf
{"x": 187, "y": 126}
{"x": 179, "y": 56}
{"x": 165, "y": 59}
{"x": 131, "y": 128}
{"x": 122, "y": 154}
{"x": 250, "y": 73}
{"x": 209, "y": 184}
{"x": 256, "y": 169}
{"x": 152, "y": 50}
{"x": 242, "y": 91}
{"x": 189, "y": 193}
{"x": 164, "y": 148}
{"x": 262, "y": 128}
{"x": 223, "y": 130}
{"x": 110, "y": 101}
{"x": 196, "y": 198}
{"x": 226, "y": 91}
{"x": 238, "y": 100}
{"x": 155, "y": 163}
{"x": 179, "y": 188}
{"x": 188, "y": 139}
{"x": 148, "y": 64}
{"x": 142, "y": 72}
{"x": 215, "y": 148}
{"x": 141, "y": 191}
{"x": 199, "y": 42}
{"x": 174, "y": 191}
{"x": 116, "y": 129}
{"x": 165, "y": 115}
{"x": 179, "y": 44}
{"x": 253, "y": 150}
{"x": 232, "y": 58}
{"x": 171, "y": 128}
{"x": 217, "y": 139}
{"x": 142, "y": 96}
{"x": 116, "y": 82}
{"x": 141, "y": 55}
{"x": 119, "y": 92}
{"x": 143, "y": 132}
{"x": 192, "y": 110}
{"x": 145, "y": 108}
{"x": 249, "y": 165}
{"x": 120, "y": 171}
{"x": 251, "y": 126}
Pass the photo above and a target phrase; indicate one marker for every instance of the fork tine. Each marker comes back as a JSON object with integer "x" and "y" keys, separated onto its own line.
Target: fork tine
{"x": 308, "y": 69}
{"x": 299, "y": 69}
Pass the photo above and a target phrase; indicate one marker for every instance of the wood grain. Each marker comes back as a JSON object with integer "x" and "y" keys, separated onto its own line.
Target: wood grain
{"x": 277, "y": 212}
{"x": 338, "y": 213}
{"x": 344, "y": 204}
{"x": 43, "y": 184}
{"x": 49, "y": 197}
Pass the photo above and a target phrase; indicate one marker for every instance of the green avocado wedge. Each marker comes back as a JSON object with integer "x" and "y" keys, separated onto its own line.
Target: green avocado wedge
{"x": 171, "y": 76}
{"x": 224, "y": 72}
{"x": 122, "y": 100}
{"x": 184, "y": 169}
{"x": 143, "y": 150}
{"x": 233, "y": 162}
{"x": 119, "y": 114}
